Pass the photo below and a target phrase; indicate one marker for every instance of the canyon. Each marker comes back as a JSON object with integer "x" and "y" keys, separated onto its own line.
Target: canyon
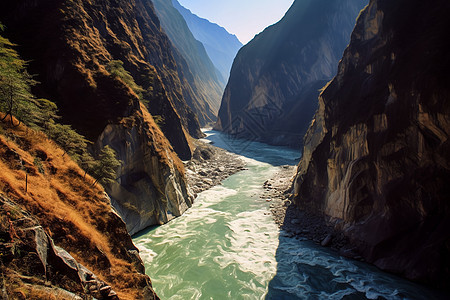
{"x": 272, "y": 92}
{"x": 367, "y": 104}
{"x": 200, "y": 74}
{"x": 71, "y": 62}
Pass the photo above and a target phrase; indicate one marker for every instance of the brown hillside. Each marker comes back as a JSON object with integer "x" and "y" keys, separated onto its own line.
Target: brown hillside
{"x": 75, "y": 214}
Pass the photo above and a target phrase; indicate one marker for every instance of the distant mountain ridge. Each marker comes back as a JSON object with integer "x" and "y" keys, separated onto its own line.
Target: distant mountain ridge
{"x": 203, "y": 80}
{"x": 220, "y": 45}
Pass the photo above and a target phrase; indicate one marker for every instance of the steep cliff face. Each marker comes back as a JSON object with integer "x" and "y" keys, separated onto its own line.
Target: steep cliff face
{"x": 152, "y": 178}
{"x": 275, "y": 79}
{"x": 60, "y": 237}
{"x": 203, "y": 85}
{"x": 377, "y": 155}
{"x": 69, "y": 44}
{"x": 220, "y": 45}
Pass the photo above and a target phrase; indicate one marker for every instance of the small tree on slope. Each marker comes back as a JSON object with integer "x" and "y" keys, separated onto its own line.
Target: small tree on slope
{"x": 15, "y": 83}
{"x": 105, "y": 169}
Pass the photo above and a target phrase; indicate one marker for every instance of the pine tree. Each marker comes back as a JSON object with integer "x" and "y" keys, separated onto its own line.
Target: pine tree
{"x": 87, "y": 163}
{"x": 73, "y": 143}
{"x": 15, "y": 84}
{"x": 115, "y": 67}
{"x": 105, "y": 169}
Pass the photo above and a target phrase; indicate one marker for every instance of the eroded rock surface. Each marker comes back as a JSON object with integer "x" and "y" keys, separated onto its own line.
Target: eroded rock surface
{"x": 151, "y": 188}
{"x": 377, "y": 155}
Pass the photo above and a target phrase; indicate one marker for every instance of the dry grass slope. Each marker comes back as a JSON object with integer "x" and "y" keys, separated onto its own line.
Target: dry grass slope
{"x": 74, "y": 213}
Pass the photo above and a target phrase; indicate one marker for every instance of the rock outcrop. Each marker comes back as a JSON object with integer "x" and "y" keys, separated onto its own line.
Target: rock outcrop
{"x": 151, "y": 188}
{"x": 70, "y": 44}
{"x": 272, "y": 92}
{"x": 220, "y": 45}
{"x": 24, "y": 240}
{"x": 377, "y": 155}
{"x": 59, "y": 235}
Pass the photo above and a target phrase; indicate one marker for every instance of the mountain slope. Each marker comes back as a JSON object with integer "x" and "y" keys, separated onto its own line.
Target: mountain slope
{"x": 377, "y": 155}
{"x": 220, "y": 45}
{"x": 60, "y": 236}
{"x": 193, "y": 61}
{"x": 272, "y": 92}
{"x": 70, "y": 45}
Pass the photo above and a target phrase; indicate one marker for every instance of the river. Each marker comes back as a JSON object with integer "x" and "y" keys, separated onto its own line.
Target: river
{"x": 228, "y": 247}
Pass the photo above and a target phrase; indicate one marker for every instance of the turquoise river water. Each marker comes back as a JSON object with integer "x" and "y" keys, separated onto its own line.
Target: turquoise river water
{"x": 228, "y": 247}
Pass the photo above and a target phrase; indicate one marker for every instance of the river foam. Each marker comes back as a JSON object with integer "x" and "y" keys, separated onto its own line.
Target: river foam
{"x": 228, "y": 247}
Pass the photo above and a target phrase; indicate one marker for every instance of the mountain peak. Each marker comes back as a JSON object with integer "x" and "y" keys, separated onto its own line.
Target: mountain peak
{"x": 220, "y": 45}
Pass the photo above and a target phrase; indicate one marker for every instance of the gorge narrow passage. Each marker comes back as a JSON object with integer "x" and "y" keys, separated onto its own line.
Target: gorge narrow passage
{"x": 227, "y": 246}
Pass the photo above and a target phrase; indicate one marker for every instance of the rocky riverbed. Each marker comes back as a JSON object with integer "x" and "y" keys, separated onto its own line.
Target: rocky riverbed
{"x": 209, "y": 166}
{"x": 297, "y": 223}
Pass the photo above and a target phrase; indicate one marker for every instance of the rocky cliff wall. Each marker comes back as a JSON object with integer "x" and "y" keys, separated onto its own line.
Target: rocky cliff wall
{"x": 377, "y": 155}
{"x": 151, "y": 187}
{"x": 272, "y": 92}
{"x": 69, "y": 44}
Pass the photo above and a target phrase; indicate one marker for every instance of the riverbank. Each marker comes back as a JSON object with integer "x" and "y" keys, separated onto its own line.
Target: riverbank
{"x": 210, "y": 166}
{"x": 229, "y": 240}
{"x": 296, "y": 223}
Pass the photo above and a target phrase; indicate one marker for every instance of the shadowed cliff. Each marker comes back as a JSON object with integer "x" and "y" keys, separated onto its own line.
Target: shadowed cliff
{"x": 272, "y": 92}
{"x": 377, "y": 155}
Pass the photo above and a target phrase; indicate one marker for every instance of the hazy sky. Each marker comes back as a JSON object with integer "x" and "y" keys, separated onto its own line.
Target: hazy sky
{"x": 244, "y": 18}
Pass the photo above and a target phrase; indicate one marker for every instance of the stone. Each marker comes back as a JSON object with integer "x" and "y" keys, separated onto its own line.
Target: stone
{"x": 327, "y": 240}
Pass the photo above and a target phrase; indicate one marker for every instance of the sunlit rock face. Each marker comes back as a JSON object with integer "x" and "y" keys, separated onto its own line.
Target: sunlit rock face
{"x": 377, "y": 155}
{"x": 60, "y": 237}
{"x": 151, "y": 187}
{"x": 272, "y": 92}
